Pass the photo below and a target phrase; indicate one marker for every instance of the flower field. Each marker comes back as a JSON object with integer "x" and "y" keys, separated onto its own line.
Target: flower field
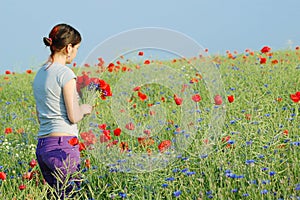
{"x": 141, "y": 143}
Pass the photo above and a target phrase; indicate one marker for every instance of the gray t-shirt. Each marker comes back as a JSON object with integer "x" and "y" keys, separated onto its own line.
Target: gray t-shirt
{"x": 48, "y": 93}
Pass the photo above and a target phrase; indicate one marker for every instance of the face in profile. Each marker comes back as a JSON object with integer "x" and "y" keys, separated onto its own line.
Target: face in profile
{"x": 73, "y": 52}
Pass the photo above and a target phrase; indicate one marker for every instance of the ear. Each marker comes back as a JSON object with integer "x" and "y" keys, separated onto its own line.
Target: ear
{"x": 69, "y": 48}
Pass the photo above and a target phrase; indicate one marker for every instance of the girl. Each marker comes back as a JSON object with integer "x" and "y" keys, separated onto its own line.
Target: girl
{"x": 58, "y": 111}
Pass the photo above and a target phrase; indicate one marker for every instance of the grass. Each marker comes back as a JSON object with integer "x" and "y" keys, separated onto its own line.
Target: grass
{"x": 253, "y": 155}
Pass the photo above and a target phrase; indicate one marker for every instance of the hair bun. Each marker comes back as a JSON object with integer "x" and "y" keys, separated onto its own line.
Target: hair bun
{"x": 47, "y": 41}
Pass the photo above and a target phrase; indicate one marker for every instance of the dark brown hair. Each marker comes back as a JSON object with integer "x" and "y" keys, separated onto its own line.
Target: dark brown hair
{"x": 60, "y": 36}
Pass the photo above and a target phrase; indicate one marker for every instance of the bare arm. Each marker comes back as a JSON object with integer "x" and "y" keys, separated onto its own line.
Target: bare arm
{"x": 75, "y": 111}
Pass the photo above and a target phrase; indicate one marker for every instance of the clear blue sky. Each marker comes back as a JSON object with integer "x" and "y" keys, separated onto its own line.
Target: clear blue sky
{"x": 218, "y": 25}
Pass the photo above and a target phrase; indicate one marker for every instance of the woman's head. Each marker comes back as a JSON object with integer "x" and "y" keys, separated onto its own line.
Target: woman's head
{"x": 63, "y": 39}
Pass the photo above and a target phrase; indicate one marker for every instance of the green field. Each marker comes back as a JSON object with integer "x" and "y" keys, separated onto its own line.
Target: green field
{"x": 255, "y": 154}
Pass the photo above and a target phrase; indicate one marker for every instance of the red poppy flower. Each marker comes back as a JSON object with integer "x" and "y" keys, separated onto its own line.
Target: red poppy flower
{"x": 88, "y": 137}
{"x": 141, "y": 53}
{"x": 274, "y": 62}
{"x": 147, "y": 62}
{"x": 295, "y": 97}
{"x": 248, "y": 116}
{"x": 81, "y": 146}
{"x": 87, "y": 163}
{"x": 263, "y": 60}
{"x": 142, "y": 96}
{"x": 124, "y": 146}
{"x": 104, "y": 138}
{"x": 297, "y": 48}
{"x": 151, "y": 112}
{"x": 147, "y": 132}
{"x": 196, "y": 98}
{"x": 230, "y": 98}
{"x": 112, "y": 143}
{"x": 32, "y": 163}
{"x": 22, "y": 187}
{"x": 285, "y": 132}
{"x": 2, "y": 176}
{"x": 74, "y": 141}
{"x": 101, "y": 62}
{"x": 130, "y": 126}
{"x": 265, "y": 49}
{"x": 29, "y": 71}
{"x": 7, "y": 72}
{"x": 205, "y": 141}
{"x": 82, "y": 81}
{"x": 226, "y": 139}
{"x": 27, "y": 175}
{"x": 164, "y": 145}
{"x": 178, "y": 100}
{"x": 117, "y": 132}
{"x": 102, "y": 126}
{"x": 107, "y": 133}
{"x": 194, "y": 80}
{"x": 218, "y": 100}
{"x": 145, "y": 141}
{"x": 8, "y": 130}
{"x": 137, "y": 88}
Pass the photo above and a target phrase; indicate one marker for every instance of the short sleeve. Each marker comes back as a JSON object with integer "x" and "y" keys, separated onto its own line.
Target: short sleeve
{"x": 66, "y": 75}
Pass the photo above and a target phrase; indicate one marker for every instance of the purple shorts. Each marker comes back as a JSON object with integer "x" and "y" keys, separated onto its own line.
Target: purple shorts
{"x": 58, "y": 158}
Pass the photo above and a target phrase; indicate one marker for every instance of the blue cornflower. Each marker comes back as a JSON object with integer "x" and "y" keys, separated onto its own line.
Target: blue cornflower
{"x": 264, "y": 191}
{"x": 264, "y": 169}
{"x": 272, "y": 173}
{"x": 232, "y": 121}
{"x": 261, "y": 156}
{"x": 177, "y": 193}
{"x": 164, "y": 185}
{"x": 231, "y": 175}
{"x": 245, "y": 195}
{"x": 184, "y": 170}
{"x": 204, "y": 156}
{"x": 267, "y": 115}
{"x": 296, "y": 143}
{"x": 297, "y": 187}
{"x": 248, "y": 162}
{"x": 284, "y": 108}
{"x": 122, "y": 194}
{"x": 190, "y": 173}
{"x": 265, "y": 182}
{"x": 170, "y": 179}
{"x": 175, "y": 170}
{"x": 249, "y": 142}
{"x": 231, "y": 142}
{"x": 234, "y": 190}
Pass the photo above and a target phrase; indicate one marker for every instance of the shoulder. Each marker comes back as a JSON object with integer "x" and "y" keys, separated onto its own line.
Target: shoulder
{"x": 65, "y": 74}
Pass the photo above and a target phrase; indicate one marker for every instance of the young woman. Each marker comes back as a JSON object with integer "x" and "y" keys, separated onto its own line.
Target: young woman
{"x": 58, "y": 110}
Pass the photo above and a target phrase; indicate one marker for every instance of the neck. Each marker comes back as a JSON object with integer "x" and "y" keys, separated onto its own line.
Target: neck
{"x": 59, "y": 58}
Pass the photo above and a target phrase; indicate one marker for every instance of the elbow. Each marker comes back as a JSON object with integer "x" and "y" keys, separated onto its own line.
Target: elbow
{"x": 72, "y": 119}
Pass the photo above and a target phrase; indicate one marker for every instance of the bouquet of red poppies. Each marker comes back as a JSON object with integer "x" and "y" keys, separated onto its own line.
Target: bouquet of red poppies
{"x": 89, "y": 88}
